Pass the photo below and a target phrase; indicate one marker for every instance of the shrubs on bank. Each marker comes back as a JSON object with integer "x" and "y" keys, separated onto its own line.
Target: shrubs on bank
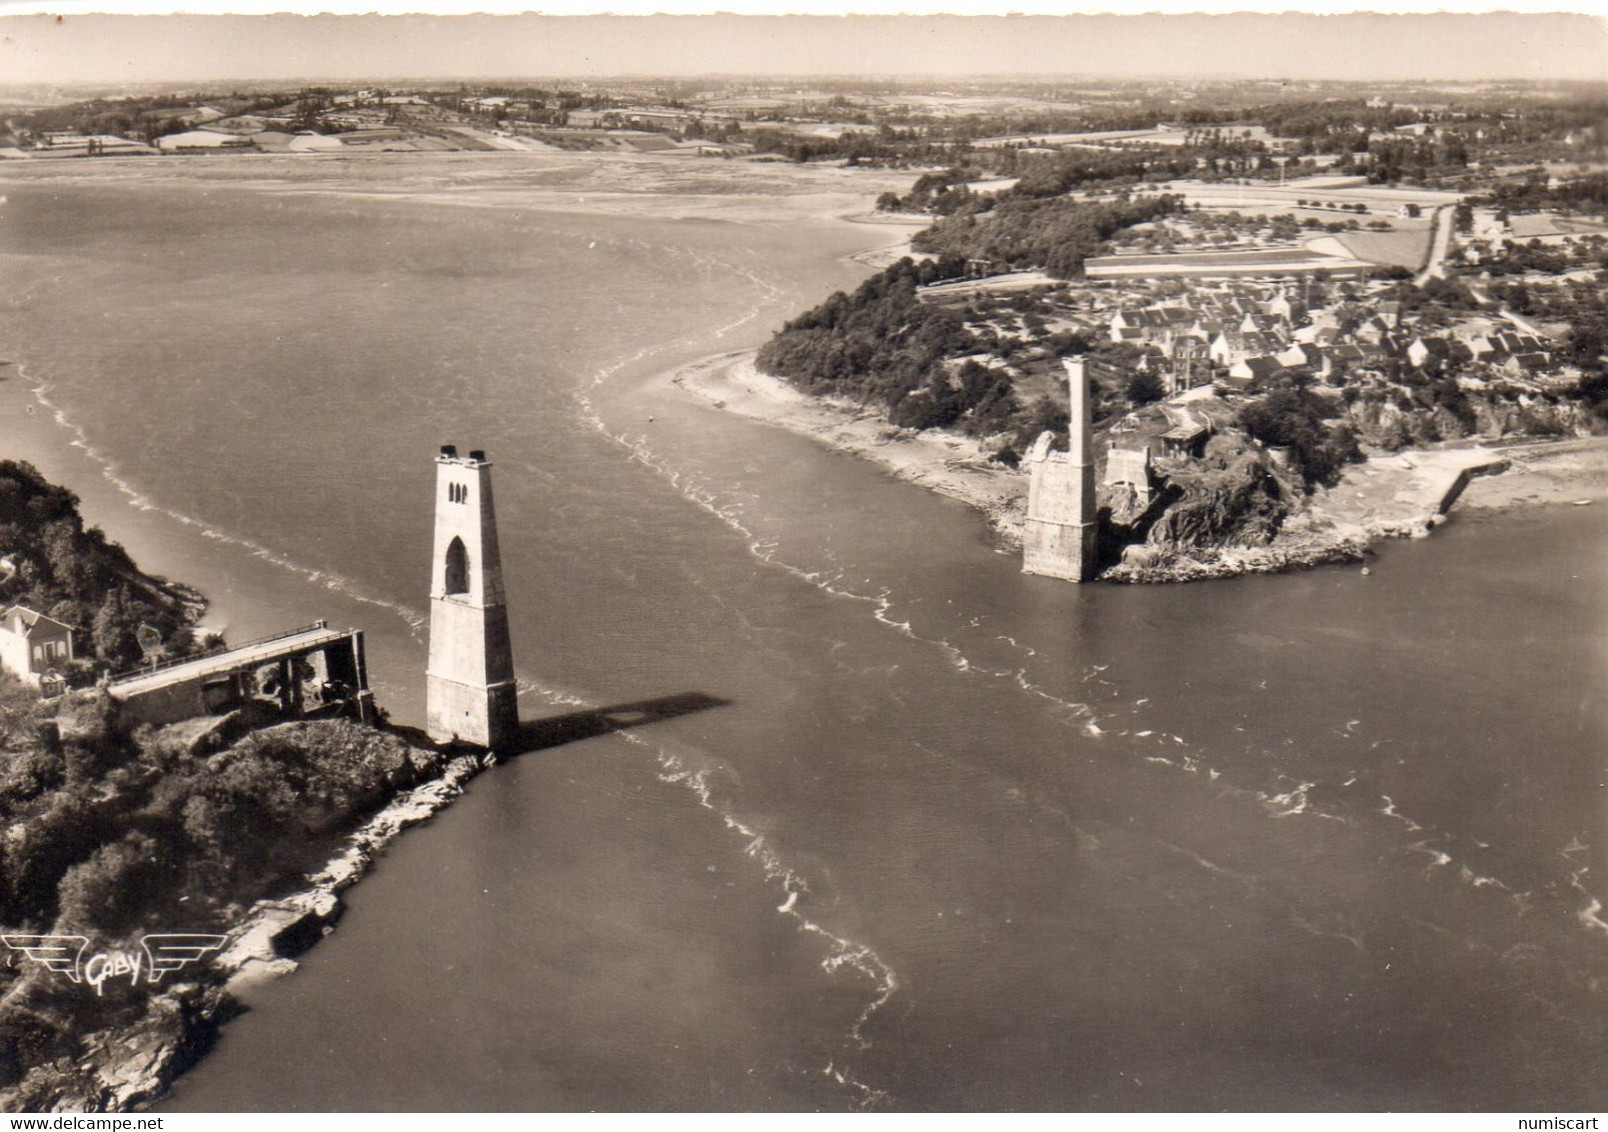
{"x": 1291, "y": 417}
{"x": 881, "y": 345}
{"x": 110, "y": 836}
{"x": 85, "y": 816}
{"x": 79, "y": 577}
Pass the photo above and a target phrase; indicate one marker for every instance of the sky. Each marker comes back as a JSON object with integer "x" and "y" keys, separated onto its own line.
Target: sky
{"x": 76, "y": 45}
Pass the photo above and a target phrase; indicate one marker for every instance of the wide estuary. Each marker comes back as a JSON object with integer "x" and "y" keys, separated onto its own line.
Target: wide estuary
{"x": 952, "y": 837}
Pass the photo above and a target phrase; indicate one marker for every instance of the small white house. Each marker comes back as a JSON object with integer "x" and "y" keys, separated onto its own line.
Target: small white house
{"x": 32, "y": 644}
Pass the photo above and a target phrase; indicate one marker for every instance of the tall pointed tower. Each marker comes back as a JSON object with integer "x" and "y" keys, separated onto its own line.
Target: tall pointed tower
{"x": 469, "y": 693}
{"x": 1060, "y": 537}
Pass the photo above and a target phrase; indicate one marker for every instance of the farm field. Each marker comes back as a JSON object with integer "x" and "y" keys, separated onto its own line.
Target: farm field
{"x": 1232, "y": 196}
{"x": 1402, "y": 248}
{"x": 1545, "y": 224}
{"x": 1264, "y": 256}
{"x": 1096, "y": 138}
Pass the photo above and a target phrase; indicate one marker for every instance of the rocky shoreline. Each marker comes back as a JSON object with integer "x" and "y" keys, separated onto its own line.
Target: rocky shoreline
{"x": 1235, "y": 561}
{"x": 127, "y": 1068}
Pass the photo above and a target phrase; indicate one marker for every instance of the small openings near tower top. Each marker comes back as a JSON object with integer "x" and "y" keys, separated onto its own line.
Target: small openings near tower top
{"x": 457, "y": 493}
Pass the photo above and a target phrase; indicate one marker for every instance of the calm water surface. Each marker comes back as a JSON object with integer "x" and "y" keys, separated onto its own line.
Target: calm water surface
{"x": 958, "y": 839}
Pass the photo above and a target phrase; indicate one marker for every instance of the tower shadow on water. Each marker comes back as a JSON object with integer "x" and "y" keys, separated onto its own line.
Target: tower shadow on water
{"x": 533, "y": 735}
{"x": 470, "y": 693}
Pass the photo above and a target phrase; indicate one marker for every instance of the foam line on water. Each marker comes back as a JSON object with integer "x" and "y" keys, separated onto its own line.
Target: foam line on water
{"x": 1212, "y": 867}
{"x": 1291, "y": 800}
{"x": 1355, "y": 940}
{"x": 841, "y": 952}
{"x": 765, "y": 550}
{"x": 1440, "y": 858}
{"x": 1390, "y": 811}
{"x": 1590, "y": 913}
{"x": 415, "y": 619}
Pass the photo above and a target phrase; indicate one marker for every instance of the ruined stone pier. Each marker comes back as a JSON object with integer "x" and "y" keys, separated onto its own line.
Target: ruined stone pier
{"x": 1059, "y": 540}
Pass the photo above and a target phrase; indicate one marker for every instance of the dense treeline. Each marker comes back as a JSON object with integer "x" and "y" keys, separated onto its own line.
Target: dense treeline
{"x": 216, "y": 823}
{"x": 940, "y": 193}
{"x": 1049, "y": 175}
{"x": 144, "y": 118}
{"x": 1586, "y": 194}
{"x": 111, "y": 837}
{"x": 855, "y": 147}
{"x": 1418, "y": 160}
{"x": 77, "y": 576}
{"x": 1055, "y": 234}
{"x": 883, "y": 345}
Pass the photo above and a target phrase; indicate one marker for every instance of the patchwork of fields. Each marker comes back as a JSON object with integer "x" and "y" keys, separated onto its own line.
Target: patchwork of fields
{"x": 1260, "y": 261}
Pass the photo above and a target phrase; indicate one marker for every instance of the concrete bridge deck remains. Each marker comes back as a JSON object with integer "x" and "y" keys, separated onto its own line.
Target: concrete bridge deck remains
{"x": 207, "y": 684}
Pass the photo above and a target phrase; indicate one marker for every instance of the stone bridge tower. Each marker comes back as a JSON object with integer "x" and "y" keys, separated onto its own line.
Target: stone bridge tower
{"x": 1061, "y": 533}
{"x": 469, "y": 694}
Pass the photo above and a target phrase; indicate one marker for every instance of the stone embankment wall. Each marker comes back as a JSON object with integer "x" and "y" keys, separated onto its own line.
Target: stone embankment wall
{"x": 1462, "y": 479}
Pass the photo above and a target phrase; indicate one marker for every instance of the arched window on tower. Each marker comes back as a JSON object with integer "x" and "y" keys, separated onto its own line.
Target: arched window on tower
{"x": 457, "y": 568}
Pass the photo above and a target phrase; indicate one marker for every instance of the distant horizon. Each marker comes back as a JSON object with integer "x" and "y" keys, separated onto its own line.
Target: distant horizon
{"x": 196, "y": 49}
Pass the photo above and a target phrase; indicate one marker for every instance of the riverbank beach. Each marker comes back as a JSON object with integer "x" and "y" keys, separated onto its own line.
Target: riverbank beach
{"x": 1391, "y": 495}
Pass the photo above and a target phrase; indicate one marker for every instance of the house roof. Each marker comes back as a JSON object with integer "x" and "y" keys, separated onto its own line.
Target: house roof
{"x": 1444, "y": 348}
{"x": 1262, "y": 366}
{"x": 1259, "y": 340}
{"x": 25, "y": 622}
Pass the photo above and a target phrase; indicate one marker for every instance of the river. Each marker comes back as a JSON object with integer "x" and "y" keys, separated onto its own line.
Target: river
{"x": 954, "y": 837}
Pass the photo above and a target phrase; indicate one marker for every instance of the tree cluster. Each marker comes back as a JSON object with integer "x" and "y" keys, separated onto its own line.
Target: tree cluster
{"x": 111, "y": 836}
{"x": 938, "y": 193}
{"x": 883, "y": 345}
{"x": 1536, "y": 191}
{"x": 1055, "y": 234}
{"x": 76, "y": 575}
{"x": 1290, "y": 416}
